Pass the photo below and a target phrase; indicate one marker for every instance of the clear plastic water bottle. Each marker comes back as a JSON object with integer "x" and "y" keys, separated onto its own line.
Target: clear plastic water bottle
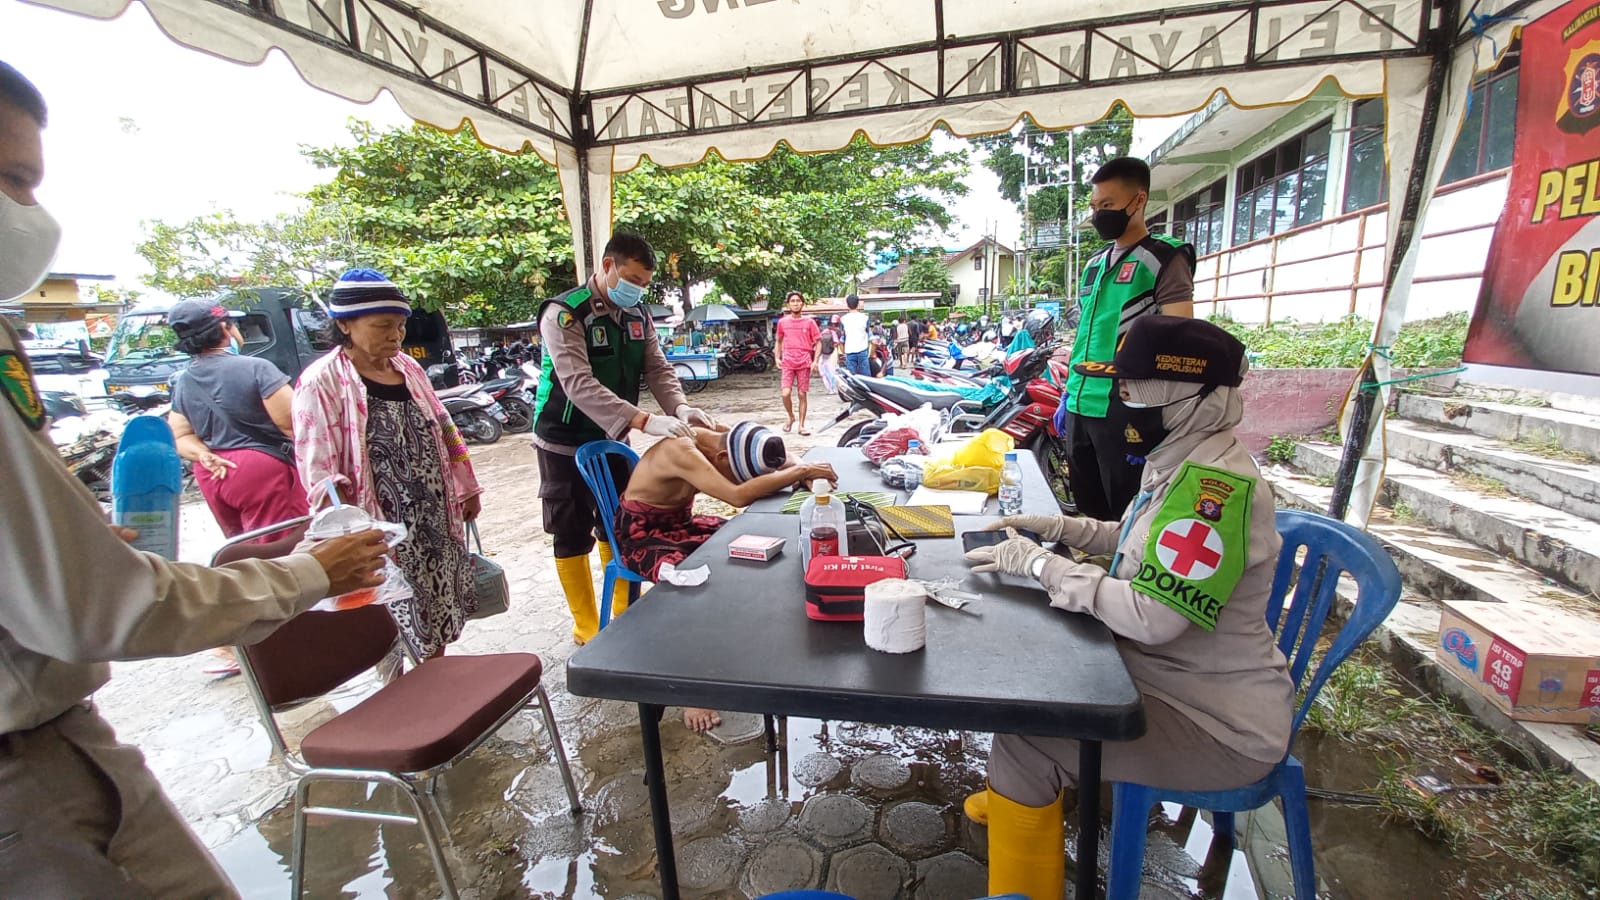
{"x": 1010, "y": 486}
{"x": 913, "y": 477}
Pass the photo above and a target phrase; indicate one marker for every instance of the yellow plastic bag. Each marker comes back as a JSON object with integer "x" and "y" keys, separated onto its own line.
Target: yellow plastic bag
{"x": 987, "y": 450}
{"x": 974, "y": 466}
{"x": 944, "y": 475}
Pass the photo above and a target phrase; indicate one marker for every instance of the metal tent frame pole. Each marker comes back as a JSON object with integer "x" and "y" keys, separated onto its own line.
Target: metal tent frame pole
{"x": 1442, "y": 39}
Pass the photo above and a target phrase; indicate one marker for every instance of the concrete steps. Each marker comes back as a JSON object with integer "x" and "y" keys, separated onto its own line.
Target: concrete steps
{"x": 1551, "y": 541}
{"x": 1436, "y": 566}
{"x": 1571, "y": 430}
{"x": 1567, "y": 484}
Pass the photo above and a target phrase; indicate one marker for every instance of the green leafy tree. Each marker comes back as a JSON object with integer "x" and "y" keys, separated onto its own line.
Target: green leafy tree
{"x": 926, "y": 272}
{"x": 1052, "y": 156}
{"x": 216, "y": 251}
{"x": 483, "y": 235}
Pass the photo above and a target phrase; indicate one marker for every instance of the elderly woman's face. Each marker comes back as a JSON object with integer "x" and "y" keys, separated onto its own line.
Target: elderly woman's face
{"x": 377, "y": 335}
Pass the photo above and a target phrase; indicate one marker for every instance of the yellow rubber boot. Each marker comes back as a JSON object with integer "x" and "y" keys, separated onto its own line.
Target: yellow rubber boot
{"x": 976, "y": 806}
{"x": 619, "y": 587}
{"x": 1026, "y": 849}
{"x": 577, "y": 581}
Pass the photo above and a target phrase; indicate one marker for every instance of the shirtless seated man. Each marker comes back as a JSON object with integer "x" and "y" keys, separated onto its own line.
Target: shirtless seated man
{"x": 656, "y": 523}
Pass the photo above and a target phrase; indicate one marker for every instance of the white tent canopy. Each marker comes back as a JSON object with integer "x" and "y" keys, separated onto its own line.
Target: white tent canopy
{"x": 595, "y": 86}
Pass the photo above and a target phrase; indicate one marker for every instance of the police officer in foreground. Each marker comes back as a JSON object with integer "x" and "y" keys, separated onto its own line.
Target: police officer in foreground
{"x": 80, "y": 814}
{"x": 1139, "y": 274}
{"x": 1186, "y": 597}
{"x": 599, "y": 345}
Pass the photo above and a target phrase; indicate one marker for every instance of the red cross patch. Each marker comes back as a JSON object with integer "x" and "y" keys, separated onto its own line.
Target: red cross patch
{"x": 1190, "y": 548}
{"x": 635, "y": 330}
{"x": 1125, "y": 274}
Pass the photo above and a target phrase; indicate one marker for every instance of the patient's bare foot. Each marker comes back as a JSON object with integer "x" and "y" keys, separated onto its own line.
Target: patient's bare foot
{"x": 699, "y": 720}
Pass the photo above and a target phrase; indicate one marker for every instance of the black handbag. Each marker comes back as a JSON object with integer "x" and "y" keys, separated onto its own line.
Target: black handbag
{"x": 489, "y": 579}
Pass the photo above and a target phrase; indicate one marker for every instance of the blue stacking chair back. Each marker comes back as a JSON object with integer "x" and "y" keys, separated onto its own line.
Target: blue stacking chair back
{"x": 1330, "y": 549}
{"x": 594, "y": 464}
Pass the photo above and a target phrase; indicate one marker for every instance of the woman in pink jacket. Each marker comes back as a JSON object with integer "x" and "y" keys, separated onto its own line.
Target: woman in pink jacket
{"x": 366, "y": 417}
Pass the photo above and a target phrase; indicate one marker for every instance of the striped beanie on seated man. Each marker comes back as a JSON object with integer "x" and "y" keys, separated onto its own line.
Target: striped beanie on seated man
{"x": 361, "y": 292}
{"x": 753, "y": 450}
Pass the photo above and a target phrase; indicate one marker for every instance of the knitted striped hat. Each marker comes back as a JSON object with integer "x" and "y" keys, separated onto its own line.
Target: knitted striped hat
{"x": 360, "y": 292}
{"x": 753, "y": 450}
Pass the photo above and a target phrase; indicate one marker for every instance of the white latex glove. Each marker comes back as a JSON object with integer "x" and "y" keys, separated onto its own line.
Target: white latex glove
{"x": 1068, "y": 529}
{"x": 667, "y": 427}
{"x": 694, "y": 415}
{"x": 1014, "y": 556}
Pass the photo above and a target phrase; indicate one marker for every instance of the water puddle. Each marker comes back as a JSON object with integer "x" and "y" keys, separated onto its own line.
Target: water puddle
{"x": 747, "y": 823}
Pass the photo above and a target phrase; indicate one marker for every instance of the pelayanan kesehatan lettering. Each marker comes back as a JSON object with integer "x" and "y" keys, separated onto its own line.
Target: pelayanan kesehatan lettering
{"x": 1199, "y": 541}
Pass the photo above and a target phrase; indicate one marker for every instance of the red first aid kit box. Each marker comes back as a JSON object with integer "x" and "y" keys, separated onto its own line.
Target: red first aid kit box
{"x": 1536, "y": 663}
{"x": 758, "y": 547}
{"x": 836, "y": 586}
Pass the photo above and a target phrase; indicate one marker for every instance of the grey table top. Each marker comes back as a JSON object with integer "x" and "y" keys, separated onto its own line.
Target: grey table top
{"x": 1008, "y": 663}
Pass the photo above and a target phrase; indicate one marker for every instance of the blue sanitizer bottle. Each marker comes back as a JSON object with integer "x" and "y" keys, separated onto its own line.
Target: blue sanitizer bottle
{"x": 146, "y": 481}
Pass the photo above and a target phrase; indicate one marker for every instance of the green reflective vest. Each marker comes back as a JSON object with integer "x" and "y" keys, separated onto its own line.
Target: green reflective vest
{"x": 1111, "y": 295}
{"x": 616, "y": 356}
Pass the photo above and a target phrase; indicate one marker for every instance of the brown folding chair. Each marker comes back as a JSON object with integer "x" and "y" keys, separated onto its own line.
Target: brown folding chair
{"x": 406, "y": 734}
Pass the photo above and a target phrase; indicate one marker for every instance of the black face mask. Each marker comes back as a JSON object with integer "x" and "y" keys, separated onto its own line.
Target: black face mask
{"x": 1145, "y": 429}
{"x": 1142, "y": 433}
{"x": 1111, "y": 223}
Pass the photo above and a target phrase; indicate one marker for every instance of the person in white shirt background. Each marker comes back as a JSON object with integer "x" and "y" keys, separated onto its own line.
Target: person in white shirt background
{"x": 856, "y": 341}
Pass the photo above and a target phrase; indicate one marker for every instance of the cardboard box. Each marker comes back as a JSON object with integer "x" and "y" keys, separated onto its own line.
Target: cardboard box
{"x": 757, "y": 547}
{"x": 1537, "y": 663}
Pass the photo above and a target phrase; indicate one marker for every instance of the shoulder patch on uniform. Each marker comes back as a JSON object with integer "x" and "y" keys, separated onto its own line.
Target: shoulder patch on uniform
{"x": 17, "y": 382}
{"x": 1198, "y": 542}
{"x": 564, "y": 319}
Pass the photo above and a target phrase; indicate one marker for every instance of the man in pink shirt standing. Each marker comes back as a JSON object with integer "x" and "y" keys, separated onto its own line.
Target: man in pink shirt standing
{"x": 798, "y": 348}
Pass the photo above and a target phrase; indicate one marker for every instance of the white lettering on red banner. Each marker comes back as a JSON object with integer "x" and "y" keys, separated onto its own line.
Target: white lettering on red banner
{"x": 1503, "y": 669}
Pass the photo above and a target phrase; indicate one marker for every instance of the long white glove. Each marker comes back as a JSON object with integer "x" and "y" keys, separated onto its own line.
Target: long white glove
{"x": 667, "y": 427}
{"x": 694, "y": 415}
{"x": 1073, "y": 530}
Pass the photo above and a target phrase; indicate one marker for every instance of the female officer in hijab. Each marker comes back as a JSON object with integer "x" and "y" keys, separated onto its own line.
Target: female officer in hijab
{"x": 1186, "y": 596}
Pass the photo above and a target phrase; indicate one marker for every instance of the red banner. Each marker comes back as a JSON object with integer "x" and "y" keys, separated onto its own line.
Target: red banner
{"x": 1541, "y": 286}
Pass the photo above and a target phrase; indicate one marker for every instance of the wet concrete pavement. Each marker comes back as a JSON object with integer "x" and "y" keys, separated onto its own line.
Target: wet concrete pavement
{"x": 870, "y": 811}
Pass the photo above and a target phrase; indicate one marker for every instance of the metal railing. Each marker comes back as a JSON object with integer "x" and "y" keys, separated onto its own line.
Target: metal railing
{"x": 1208, "y": 289}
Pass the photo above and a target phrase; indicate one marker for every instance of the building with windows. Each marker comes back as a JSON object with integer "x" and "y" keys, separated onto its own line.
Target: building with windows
{"x": 983, "y": 270}
{"x": 1286, "y": 206}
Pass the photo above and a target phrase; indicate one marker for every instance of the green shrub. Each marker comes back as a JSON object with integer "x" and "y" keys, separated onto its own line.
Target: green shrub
{"x": 1286, "y": 344}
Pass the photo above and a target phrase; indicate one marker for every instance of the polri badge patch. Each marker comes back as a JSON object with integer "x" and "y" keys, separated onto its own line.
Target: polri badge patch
{"x": 564, "y": 319}
{"x": 17, "y": 382}
{"x": 598, "y": 336}
{"x": 1198, "y": 542}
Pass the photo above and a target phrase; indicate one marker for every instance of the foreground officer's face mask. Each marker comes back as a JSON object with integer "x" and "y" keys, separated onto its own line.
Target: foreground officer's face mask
{"x": 29, "y": 237}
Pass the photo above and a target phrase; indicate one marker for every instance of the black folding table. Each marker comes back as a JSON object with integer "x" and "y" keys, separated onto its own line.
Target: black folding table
{"x": 742, "y": 642}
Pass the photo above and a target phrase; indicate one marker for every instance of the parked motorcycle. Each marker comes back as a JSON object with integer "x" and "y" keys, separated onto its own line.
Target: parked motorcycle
{"x": 508, "y": 389}
{"x": 87, "y": 441}
{"x": 745, "y": 358}
{"x": 1027, "y": 413}
{"x": 477, "y": 415}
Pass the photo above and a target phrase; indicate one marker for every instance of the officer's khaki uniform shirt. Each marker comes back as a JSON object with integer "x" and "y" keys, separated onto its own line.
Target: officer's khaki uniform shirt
{"x": 75, "y": 596}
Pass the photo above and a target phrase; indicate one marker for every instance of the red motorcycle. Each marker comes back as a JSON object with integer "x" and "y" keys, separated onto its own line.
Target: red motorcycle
{"x": 745, "y": 358}
{"x": 1027, "y": 414}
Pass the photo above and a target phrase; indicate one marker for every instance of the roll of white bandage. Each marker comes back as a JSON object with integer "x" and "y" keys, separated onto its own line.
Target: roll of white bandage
{"x": 894, "y": 616}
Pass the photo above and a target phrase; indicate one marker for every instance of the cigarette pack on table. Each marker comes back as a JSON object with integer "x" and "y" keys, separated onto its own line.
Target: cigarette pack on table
{"x": 758, "y": 547}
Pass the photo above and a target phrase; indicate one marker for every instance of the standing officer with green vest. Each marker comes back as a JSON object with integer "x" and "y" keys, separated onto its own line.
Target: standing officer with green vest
{"x": 599, "y": 344}
{"x": 1139, "y": 274}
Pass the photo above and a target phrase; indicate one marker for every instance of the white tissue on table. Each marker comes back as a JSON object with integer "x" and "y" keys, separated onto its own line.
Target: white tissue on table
{"x": 684, "y": 577}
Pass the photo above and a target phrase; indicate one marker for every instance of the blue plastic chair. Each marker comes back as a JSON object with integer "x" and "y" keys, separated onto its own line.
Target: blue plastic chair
{"x": 1332, "y": 548}
{"x": 595, "y": 466}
